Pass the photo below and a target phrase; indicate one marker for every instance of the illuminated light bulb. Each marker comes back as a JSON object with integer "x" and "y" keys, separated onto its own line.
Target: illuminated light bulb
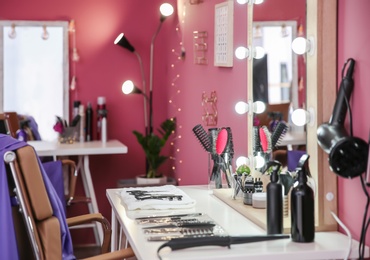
{"x": 242, "y": 160}
{"x": 259, "y": 107}
{"x": 241, "y": 107}
{"x": 127, "y": 87}
{"x": 241, "y": 53}
{"x": 259, "y": 52}
{"x": 257, "y": 2}
{"x": 301, "y": 117}
{"x": 166, "y": 9}
{"x": 259, "y": 161}
{"x": 301, "y": 45}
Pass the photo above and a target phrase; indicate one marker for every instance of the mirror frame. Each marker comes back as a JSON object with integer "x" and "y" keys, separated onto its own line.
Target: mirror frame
{"x": 321, "y": 88}
{"x": 22, "y": 23}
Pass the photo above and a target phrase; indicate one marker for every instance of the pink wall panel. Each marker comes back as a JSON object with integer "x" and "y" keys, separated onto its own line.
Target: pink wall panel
{"x": 353, "y": 41}
{"x": 103, "y": 67}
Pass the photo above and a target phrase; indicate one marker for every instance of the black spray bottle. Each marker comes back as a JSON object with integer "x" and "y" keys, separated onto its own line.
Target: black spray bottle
{"x": 302, "y": 205}
{"x": 274, "y": 200}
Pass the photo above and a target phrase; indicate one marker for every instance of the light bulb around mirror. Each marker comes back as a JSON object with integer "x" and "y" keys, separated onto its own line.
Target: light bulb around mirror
{"x": 241, "y": 53}
{"x": 259, "y": 161}
{"x": 242, "y": 160}
{"x": 166, "y": 9}
{"x": 301, "y": 117}
{"x": 127, "y": 87}
{"x": 241, "y": 107}
{"x": 259, "y": 52}
{"x": 259, "y": 107}
{"x": 242, "y": 2}
{"x": 300, "y": 45}
{"x": 257, "y": 2}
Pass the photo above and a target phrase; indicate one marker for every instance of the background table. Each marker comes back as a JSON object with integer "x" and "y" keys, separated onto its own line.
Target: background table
{"x": 82, "y": 150}
{"x": 327, "y": 245}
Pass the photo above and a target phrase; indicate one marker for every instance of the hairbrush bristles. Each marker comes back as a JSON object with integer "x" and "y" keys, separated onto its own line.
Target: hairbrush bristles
{"x": 256, "y": 139}
{"x": 202, "y": 137}
{"x": 213, "y": 133}
{"x": 278, "y": 134}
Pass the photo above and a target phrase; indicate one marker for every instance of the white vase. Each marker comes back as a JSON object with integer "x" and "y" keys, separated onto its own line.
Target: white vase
{"x": 142, "y": 180}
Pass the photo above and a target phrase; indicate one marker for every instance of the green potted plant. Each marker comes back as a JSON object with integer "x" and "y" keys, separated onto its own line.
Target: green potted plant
{"x": 152, "y": 145}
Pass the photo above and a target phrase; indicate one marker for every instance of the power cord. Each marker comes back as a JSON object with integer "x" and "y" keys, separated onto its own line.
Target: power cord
{"x": 366, "y": 219}
{"x": 347, "y": 232}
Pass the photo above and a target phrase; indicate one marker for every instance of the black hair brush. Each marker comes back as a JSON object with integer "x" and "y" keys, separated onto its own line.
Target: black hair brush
{"x": 278, "y": 134}
{"x": 202, "y": 137}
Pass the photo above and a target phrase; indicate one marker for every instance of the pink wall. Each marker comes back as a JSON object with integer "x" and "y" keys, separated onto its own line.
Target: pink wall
{"x": 103, "y": 67}
{"x": 229, "y": 83}
{"x": 353, "y": 41}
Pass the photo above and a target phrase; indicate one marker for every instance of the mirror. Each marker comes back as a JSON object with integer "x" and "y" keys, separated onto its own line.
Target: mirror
{"x": 34, "y": 62}
{"x": 278, "y": 78}
{"x": 320, "y": 97}
{"x": 275, "y": 74}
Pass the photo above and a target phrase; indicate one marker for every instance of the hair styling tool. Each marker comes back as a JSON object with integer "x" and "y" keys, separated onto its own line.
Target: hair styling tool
{"x": 202, "y": 137}
{"x": 213, "y": 133}
{"x": 265, "y": 137}
{"x": 219, "y": 163}
{"x": 278, "y": 134}
{"x": 182, "y": 243}
{"x": 347, "y": 154}
{"x": 256, "y": 139}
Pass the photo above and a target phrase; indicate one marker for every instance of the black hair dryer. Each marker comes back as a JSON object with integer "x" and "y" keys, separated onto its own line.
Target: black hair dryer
{"x": 347, "y": 154}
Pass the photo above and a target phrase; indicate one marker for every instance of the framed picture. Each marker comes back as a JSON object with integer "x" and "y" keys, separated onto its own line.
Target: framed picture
{"x": 224, "y": 16}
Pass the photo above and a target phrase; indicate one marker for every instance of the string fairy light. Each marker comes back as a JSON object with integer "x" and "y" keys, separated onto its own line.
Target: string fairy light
{"x": 179, "y": 54}
{"x": 74, "y": 57}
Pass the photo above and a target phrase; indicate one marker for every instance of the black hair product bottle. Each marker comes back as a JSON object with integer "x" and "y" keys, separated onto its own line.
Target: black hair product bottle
{"x": 274, "y": 201}
{"x": 302, "y": 205}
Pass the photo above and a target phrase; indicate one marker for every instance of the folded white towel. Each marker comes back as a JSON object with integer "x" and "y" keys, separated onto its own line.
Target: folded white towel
{"x": 133, "y": 204}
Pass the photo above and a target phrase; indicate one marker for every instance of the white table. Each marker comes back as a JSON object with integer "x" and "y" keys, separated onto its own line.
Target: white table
{"x": 82, "y": 150}
{"x": 293, "y": 138}
{"x": 327, "y": 245}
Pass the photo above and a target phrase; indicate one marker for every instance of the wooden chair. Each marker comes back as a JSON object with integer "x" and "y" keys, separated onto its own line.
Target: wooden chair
{"x": 38, "y": 228}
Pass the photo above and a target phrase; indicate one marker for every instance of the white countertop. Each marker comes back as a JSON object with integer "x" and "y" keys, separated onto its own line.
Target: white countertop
{"x": 327, "y": 245}
{"x": 45, "y": 148}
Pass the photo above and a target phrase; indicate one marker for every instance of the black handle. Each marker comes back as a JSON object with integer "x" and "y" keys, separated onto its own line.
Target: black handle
{"x": 182, "y": 243}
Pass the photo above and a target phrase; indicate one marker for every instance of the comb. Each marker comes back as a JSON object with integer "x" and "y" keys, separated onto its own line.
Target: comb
{"x": 278, "y": 134}
{"x": 202, "y": 137}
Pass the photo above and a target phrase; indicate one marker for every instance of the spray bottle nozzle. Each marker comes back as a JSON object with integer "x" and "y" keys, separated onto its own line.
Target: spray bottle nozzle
{"x": 303, "y": 165}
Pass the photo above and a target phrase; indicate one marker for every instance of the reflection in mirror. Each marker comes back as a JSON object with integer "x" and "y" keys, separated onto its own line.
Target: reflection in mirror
{"x": 275, "y": 75}
{"x": 34, "y": 61}
{"x": 279, "y": 78}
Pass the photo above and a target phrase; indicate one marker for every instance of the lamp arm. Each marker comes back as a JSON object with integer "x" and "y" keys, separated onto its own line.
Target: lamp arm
{"x": 151, "y": 78}
{"x": 143, "y": 92}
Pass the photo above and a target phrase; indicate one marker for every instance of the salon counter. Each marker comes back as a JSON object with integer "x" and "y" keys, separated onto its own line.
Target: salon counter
{"x": 327, "y": 245}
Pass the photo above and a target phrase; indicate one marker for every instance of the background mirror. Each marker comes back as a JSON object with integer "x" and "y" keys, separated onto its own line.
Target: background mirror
{"x": 34, "y": 60}
{"x": 279, "y": 77}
